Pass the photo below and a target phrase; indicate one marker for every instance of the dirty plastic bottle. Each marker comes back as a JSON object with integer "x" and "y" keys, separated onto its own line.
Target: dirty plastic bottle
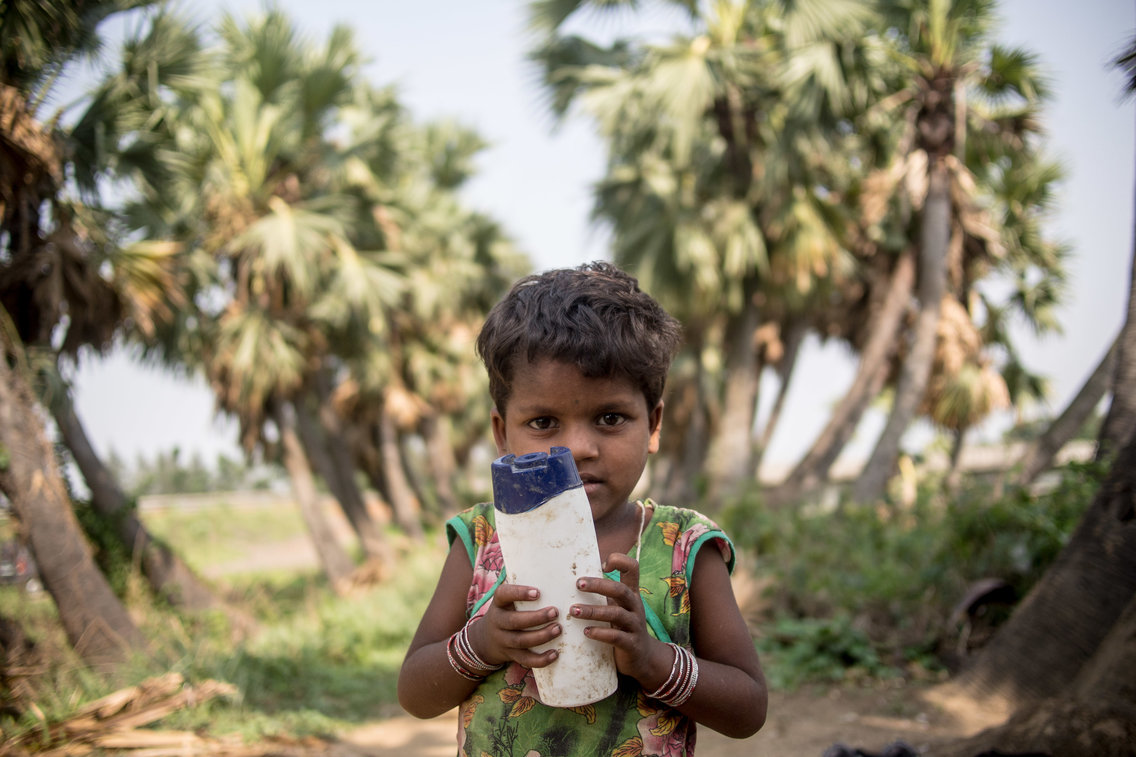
{"x": 548, "y": 540}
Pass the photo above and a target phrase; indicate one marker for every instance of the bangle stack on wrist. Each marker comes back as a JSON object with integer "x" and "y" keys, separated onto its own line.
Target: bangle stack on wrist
{"x": 683, "y": 678}
{"x": 466, "y": 662}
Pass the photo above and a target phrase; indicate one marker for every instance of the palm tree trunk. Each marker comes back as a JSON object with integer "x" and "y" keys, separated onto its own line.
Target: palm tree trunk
{"x": 731, "y": 450}
{"x": 337, "y": 565}
{"x": 1039, "y": 455}
{"x": 1061, "y": 623}
{"x": 954, "y": 470}
{"x": 1120, "y": 422}
{"x": 792, "y": 340}
{"x": 812, "y": 470}
{"x": 436, "y": 429}
{"x": 399, "y": 490}
{"x": 687, "y": 463}
{"x": 912, "y": 384}
{"x": 341, "y": 484}
{"x": 94, "y": 619}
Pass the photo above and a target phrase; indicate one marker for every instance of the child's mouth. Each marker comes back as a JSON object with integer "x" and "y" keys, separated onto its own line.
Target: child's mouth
{"x": 591, "y": 485}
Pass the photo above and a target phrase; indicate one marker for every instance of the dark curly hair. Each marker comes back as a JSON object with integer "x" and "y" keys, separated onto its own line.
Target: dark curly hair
{"x": 594, "y": 316}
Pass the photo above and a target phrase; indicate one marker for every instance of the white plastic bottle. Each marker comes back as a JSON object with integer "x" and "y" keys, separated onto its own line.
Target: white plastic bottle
{"x": 548, "y": 540}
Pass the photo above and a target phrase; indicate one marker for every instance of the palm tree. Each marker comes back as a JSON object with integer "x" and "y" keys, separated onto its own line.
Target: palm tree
{"x": 945, "y": 48}
{"x": 39, "y": 42}
{"x": 95, "y": 621}
{"x": 705, "y": 135}
{"x": 324, "y": 253}
{"x": 1067, "y": 647}
{"x": 96, "y": 287}
{"x": 239, "y": 168}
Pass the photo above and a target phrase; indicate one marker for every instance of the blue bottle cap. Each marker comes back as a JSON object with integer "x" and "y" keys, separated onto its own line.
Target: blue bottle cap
{"x": 524, "y": 483}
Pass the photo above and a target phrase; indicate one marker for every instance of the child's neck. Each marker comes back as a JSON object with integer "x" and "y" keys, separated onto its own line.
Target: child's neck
{"x": 619, "y": 531}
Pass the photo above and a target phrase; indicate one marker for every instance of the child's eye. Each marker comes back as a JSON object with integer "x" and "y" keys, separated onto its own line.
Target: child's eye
{"x": 543, "y": 423}
{"x": 611, "y": 419}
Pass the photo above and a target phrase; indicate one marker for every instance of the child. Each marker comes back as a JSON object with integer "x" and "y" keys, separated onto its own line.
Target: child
{"x": 578, "y": 358}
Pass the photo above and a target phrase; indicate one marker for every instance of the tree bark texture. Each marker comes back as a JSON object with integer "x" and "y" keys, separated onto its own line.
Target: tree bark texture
{"x": 95, "y": 621}
{"x": 1040, "y": 453}
{"x": 1120, "y": 422}
{"x": 912, "y": 383}
{"x": 336, "y": 563}
{"x": 1064, "y": 619}
{"x": 812, "y": 471}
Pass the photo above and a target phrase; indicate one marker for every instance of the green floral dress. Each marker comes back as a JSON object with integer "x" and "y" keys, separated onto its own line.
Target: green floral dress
{"x": 504, "y": 718}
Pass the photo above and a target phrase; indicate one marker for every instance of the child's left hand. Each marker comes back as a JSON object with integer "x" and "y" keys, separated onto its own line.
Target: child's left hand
{"x": 637, "y": 653}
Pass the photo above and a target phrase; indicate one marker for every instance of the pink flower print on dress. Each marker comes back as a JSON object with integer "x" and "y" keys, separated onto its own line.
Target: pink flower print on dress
{"x": 683, "y": 546}
{"x": 659, "y": 734}
{"x": 521, "y": 692}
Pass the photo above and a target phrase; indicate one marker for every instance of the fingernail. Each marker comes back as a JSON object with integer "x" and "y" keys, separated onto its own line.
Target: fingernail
{"x": 577, "y": 611}
{"x": 533, "y": 593}
{"x": 581, "y": 584}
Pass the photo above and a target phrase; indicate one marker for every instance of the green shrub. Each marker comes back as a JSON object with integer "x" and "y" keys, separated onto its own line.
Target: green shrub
{"x": 831, "y": 650}
{"x": 894, "y": 575}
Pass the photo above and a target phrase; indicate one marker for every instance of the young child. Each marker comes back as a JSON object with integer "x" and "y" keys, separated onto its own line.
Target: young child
{"x": 578, "y": 358}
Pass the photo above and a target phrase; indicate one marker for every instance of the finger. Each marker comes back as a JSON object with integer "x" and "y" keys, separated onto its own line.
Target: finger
{"x": 507, "y": 594}
{"x": 522, "y": 620}
{"x": 527, "y": 640}
{"x": 615, "y": 591}
{"x": 628, "y": 568}
{"x": 531, "y": 659}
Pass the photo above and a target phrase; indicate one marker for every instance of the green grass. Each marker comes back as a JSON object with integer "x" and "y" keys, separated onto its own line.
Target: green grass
{"x": 222, "y": 533}
{"x": 319, "y": 664}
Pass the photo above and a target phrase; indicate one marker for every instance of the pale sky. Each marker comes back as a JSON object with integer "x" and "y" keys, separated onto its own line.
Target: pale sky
{"x": 465, "y": 60}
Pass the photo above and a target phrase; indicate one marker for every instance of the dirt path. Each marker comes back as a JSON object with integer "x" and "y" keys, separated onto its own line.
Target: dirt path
{"x": 800, "y": 724}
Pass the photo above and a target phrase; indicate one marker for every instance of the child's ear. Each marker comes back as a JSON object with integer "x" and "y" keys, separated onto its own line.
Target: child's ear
{"x": 655, "y": 424}
{"x": 498, "y": 423}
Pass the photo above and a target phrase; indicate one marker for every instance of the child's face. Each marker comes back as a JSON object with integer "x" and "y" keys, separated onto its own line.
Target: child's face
{"x": 604, "y": 421}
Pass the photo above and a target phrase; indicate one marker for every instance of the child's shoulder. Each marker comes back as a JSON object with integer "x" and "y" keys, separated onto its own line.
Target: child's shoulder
{"x": 475, "y": 526}
{"x": 689, "y": 529}
{"x": 684, "y": 516}
{"x": 471, "y": 513}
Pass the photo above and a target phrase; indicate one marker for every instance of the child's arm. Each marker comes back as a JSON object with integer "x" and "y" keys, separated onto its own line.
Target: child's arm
{"x": 730, "y": 696}
{"x": 427, "y": 684}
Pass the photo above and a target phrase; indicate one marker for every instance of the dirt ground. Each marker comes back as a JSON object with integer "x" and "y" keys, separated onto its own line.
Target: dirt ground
{"x": 800, "y": 724}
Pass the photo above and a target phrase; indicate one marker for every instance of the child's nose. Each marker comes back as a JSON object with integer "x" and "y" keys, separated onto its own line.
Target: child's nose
{"x": 582, "y": 443}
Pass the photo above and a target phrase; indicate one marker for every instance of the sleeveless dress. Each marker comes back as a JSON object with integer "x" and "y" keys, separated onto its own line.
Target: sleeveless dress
{"x": 504, "y": 718}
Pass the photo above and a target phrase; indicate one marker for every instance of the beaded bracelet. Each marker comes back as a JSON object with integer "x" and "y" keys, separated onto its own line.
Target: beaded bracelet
{"x": 464, "y": 660}
{"x": 679, "y": 686}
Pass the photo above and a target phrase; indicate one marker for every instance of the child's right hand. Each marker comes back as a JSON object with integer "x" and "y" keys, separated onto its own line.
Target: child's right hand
{"x": 506, "y": 634}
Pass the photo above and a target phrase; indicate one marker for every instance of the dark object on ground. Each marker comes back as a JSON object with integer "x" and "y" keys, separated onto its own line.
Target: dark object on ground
{"x": 894, "y": 749}
{"x": 901, "y": 749}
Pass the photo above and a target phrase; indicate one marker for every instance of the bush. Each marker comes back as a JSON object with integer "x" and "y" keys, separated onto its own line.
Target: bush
{"x": 893, "y": 576}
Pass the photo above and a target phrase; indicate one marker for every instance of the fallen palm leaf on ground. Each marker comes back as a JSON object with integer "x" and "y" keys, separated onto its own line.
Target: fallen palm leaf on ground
{"x": 116, "y": 720}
